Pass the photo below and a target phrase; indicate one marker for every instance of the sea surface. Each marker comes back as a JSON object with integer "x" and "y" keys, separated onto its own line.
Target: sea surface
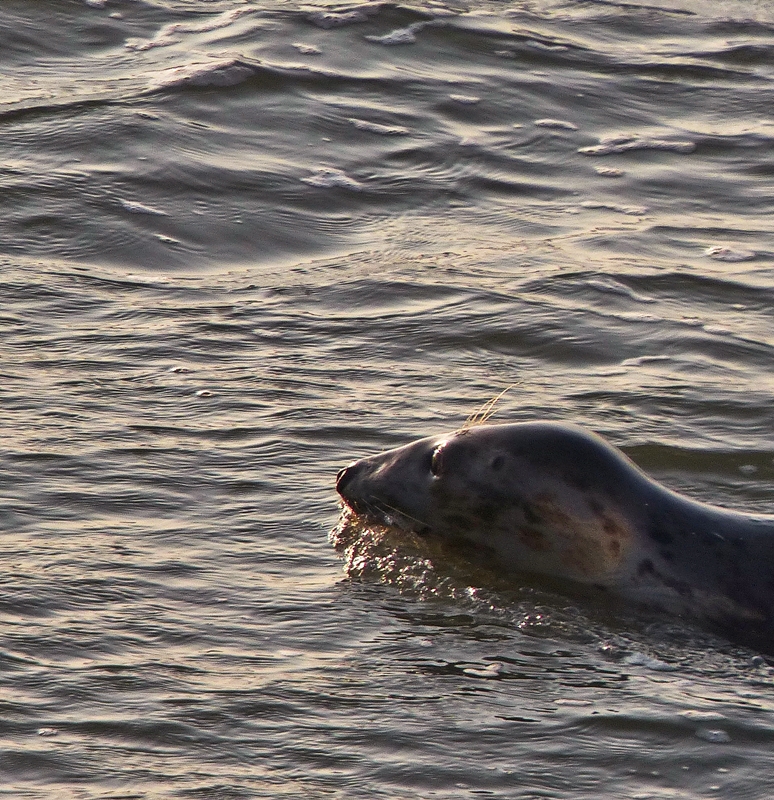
{"x": 244, "y": 243}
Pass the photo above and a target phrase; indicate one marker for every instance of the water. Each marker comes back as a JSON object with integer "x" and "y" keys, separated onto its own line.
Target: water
{"x": 242, "y": 244}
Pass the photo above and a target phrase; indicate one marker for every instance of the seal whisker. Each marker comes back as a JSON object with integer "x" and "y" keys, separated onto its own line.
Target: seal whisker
{"x": 485, "y": 412}
{"x": 399, "y": 512}
{"x": 372, "y": 506}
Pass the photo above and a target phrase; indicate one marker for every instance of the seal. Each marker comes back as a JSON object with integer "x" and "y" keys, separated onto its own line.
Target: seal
{"x": 556, "y": 500}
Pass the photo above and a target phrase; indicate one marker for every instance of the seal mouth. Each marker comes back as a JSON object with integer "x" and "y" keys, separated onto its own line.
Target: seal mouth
{"x": 381, "y": 513}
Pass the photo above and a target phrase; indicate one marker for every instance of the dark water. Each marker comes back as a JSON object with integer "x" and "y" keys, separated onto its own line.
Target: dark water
{"x": 242, "y": 244}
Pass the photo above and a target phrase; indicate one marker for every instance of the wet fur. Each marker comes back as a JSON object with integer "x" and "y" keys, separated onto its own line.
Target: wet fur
{"x": 556, "y": 500}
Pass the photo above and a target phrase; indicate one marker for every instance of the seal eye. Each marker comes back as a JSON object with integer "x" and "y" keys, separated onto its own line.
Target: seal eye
{"x": 497, "y": 463}
{"x": 435, "y": 462}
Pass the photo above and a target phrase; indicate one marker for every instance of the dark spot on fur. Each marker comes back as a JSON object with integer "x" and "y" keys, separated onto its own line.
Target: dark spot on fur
{"x": 683, "y": 588}
{"x": 532, "y": 517}
{"x": 613, "y": 529}
{"x": 667, "y": 555}
{"x": 460, "y": 522}
{"x": 497, "y": 463}
{"x": 534, "y": 539}
{"x": 661, "y": 536}
{"x": 487, "y": 513}
{"x": 596, "y": 506}
{"x": 646, "y": 568}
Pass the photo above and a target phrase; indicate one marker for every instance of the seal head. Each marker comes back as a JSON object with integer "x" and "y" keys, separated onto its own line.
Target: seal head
{"x": 556, "y": 500}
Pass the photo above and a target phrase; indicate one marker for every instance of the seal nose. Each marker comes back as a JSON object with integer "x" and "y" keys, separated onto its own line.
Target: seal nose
{"x": 343, "y": 478}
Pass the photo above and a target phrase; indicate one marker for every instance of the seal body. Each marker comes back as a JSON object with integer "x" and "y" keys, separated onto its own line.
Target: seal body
{"x": 556, "y": 500}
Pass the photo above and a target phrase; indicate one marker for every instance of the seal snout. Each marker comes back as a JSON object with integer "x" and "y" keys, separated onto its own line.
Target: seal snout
{"x": 344, "y": 477}
{"x": 347, "y": 484}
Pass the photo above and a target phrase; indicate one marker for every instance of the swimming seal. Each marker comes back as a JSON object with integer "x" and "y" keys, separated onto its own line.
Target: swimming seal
{"x": 554, "y": 499}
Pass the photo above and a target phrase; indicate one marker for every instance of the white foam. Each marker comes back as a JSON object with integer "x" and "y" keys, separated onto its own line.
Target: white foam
{"x": 406, "y": 35}
{"x": 215, "y": 72}
{"x": 307, "y": 49}
{"x": 640, "y": 360}
{"x": 703, "y": 716}
{"x": 465, "y": 99}
{"x": 172, "y": 33}
{"x": 609, "y": 172}
{"x": 614, "y": 287}
{"x": 572, "y": 702}
{"x": 643, "y": 660}
{"x": 140, "y": 208}
{"x": 492, "y": 670}
{"x": 559, "y": 124}
{"x": 337, "y": 19}
{"x": 623, "y": 143}
{"x": 329, "y": 177}
{"x": 724, "y": 253}
{"x": 163, "y": 38}
{"x": 717, "y": 330}
{"x": 376, "y": 127}
{"x": 632, "y": 211}
{"x": 164, "y": 239}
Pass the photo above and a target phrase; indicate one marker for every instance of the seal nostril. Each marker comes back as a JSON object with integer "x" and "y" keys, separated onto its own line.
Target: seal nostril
{"x": 343, "y": 478}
